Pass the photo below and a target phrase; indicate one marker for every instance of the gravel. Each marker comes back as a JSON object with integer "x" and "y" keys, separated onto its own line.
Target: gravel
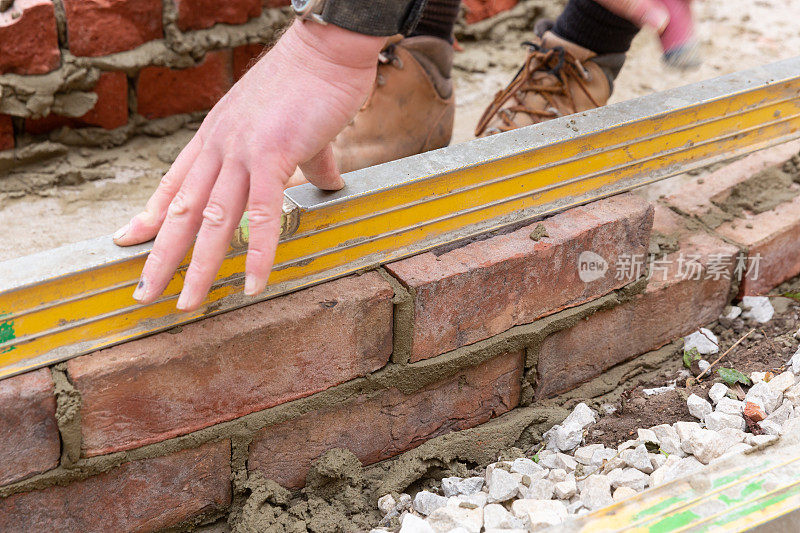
{"x": 565, "y": 477}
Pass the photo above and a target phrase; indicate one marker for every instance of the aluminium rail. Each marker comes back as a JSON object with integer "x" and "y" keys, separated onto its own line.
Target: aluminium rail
{"x": 76, "y": 299}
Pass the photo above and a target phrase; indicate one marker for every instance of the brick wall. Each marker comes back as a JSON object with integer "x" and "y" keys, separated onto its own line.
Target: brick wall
{"x": 159, "y": 431}
{"x": 140, "y": 59}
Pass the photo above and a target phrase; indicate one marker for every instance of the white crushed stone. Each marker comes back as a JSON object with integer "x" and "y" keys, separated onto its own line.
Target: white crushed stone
{"x": 426, "y": 502}
{"x": 717, "y": 392}
{"x": 502, "y": 485}
{"x": 698, "y": 407}
{"x": 764, "y": 396}
{"x": 703, "y": 340}
{"x": 757, "y": 308}
{"x": 732, "y": 312}
{"x": 414, "y": 524}
{"x": 794, "y": 362}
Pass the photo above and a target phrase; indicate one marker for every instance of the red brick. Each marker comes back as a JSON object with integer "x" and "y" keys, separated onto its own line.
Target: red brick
{"x": 110, "y": 111}
{"x": 144, "y": 495}
{"x": 6, "y": 133}
{"x": 227, "y": 366}
{"x": 477, "y": 10}
{"x": 772, "y": 241}
{"x": 773, "y": 246}
{"x": 29, "y": 41}
{"x": 198, "y": 14}
{"x": 276, "y": 3}
{"x": 385, "y": 424}
{"x": 101, "y": 27}
{"x": 162, "y": 91}
{"x": 672, "y": 306}
{"x": 472, "y": 293}
{"x": 29, "y": 440}
{"x": 244, "y": 57}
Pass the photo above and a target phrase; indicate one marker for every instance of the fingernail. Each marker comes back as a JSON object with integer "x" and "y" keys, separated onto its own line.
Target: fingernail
{"x": 251, "y": 285}
{"x": 183, "y": 301}
{"x": 122, "y": 231}
{"x": 656, "y": 19}
{"x": 139, "y": 293}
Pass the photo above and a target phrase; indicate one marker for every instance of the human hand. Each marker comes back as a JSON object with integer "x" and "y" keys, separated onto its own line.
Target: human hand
{"x": 283, "y": 113}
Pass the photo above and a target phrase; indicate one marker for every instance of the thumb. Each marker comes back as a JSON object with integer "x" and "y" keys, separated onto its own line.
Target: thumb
{"x": 321, "y": 170}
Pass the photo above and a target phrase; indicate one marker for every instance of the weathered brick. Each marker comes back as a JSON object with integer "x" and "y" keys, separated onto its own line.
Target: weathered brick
{"x": 144, "y": 495}
{"x": 385, "y": 424}
{"x": 674, "y": 304}
{"x": 198, "y": 14}
{"x": 110, "y": 111}
{"x": 486, "y": 287}
{"x": 236, "y": 363}
{"x": 477, "y": 10}
{"x": 244, "y": 57}
{"x": 162, "y": 91}
{"x": 29, "y": 441}
{"x": 101, "y": 27}
{"x": 6, "y": 133}
{"x": 28, "y": 38}
{"x": 772, "y": 238}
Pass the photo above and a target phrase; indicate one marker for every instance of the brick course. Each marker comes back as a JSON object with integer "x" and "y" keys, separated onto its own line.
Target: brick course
{"x": 6, "y": 133}
{"x": 672, "y": 306}
{"x": 110, "y": 111}
{"x": 388, "y": 423}
{"x": 199, "y": 14}
{"x": 101, "y": 27}
{"x": 144, "y": 495}
{"x": 226, "y": 366}
{"x": 482, "y": 289}
{"x": 162, "y": 91}
{"x": 29, "y": 440}
{"x": 29, "y": 39}
{"x": 774, "y": 235}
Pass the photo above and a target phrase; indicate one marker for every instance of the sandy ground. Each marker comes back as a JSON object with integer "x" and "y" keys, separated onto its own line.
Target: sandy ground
{"x": 735, "y": 34}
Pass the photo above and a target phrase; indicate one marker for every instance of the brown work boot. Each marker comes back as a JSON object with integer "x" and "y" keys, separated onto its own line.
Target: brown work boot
{"x": 558, "y": 78}
{"x": 410, "y": 110}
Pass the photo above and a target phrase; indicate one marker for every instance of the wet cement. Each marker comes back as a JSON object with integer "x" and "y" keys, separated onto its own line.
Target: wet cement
{"x": 763, "y": 192}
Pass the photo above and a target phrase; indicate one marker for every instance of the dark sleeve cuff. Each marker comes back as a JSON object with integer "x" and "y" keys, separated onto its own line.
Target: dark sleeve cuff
{"x": 380, "y": 18}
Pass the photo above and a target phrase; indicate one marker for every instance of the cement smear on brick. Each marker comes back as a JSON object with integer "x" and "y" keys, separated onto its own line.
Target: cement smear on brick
{"x": 763, "y": 192}
{"x": 68, "y": 416}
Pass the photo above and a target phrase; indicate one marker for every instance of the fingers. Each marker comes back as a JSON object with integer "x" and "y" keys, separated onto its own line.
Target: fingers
{"x": 321, "y": 170}
{"x": 264, "y": 218}
{"x": 145, "y": 225}
{"x": 220, "y": 219}
{"x": 183, "y": 218}
{"x": 650, "y": 13}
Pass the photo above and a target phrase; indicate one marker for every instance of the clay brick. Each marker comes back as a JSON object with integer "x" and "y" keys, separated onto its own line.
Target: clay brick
{"x": 673, "y": 305}
{"x": 101, "y": 27}
{"x": 6, "y": 133}
{"x": 385, "y": 424}
{"x": 482, "y": 289}
{"x": 29, "y": 441}
{"x": 694, "y": 198}
{"x": 244, "y": 57}
{"x": 144, "y": 495}
{"x": 29, "y": 38}
{"x": 110, "y": 111}
{"x": 199, "y": 14}
{"x": 276, "y": 3}
{"x": 772, "y": 241}
{"x": 773, "y": 246}
{"x": 233, "y": 364}
{"x": 162, "y": 91}
{"x": 477, "y": 10}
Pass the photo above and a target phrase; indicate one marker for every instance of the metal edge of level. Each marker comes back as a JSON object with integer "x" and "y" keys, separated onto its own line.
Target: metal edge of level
{"x": 94, "y": 253}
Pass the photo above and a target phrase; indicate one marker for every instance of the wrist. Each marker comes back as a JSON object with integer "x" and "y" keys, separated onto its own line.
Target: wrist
{"x": 334, "y": 44}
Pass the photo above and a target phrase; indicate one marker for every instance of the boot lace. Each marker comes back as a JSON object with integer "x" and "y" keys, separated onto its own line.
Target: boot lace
{"x": 558, "y": 63}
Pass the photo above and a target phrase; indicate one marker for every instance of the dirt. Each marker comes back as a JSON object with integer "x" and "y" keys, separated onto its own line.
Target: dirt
{"x": 767, "y": 349}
